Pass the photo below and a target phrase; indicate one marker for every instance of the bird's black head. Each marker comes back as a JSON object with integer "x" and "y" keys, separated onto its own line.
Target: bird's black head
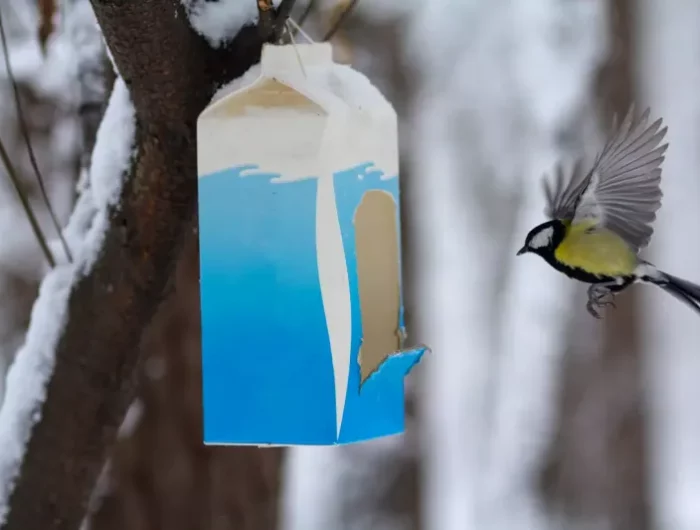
{"x": 544, "y": 238}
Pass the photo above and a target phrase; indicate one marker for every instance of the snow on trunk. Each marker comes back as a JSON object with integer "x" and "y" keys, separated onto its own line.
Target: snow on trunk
{"x": 668, "y": 66}
{"x": 501, "y": 82}
{"x": 32, "y": 369}
{"x": 219, "y": 22}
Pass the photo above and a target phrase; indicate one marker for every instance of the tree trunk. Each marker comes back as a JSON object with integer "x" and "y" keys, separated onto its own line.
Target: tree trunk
{"x": 171, "y": 73}
{"x": 161, "y": 476}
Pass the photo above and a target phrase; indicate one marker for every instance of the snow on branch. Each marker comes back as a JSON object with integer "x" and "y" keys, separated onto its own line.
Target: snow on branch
{"x": 33, "y": 367}
{"x": 219, "y": 22}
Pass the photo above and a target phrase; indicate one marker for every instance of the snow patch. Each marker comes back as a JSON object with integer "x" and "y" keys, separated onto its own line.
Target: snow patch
{"x": 107, "y": 153}
{"x": 28, "y": 377}
{"x": 51, "y": 115}
{"x": 30, "y": 373}
{"x": 219, "y": 22}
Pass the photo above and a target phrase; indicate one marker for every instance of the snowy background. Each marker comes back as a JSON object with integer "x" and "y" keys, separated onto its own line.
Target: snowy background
{"x": 529, "y": 414}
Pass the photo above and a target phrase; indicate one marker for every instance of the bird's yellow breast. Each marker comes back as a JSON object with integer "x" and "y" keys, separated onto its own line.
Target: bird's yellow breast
{"x": 600, "y": 252}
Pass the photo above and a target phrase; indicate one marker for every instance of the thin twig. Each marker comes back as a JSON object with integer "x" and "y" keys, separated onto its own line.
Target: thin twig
{"x": 25, "y": 204}
{"x": 294, "y": 46}
{"x": 25, "y": 134}
{"x": 341, "y": 20}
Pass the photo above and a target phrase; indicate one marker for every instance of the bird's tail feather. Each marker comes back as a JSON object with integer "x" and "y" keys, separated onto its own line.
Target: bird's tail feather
{"x": 683, "y": 290}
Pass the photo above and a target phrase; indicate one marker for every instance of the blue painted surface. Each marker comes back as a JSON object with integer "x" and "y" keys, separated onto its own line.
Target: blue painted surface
{"x": 376, "y": 408}
{"x": 267, "y": 366}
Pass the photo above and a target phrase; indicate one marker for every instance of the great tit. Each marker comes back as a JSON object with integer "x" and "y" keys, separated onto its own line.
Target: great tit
{"x": 600, "y": 220}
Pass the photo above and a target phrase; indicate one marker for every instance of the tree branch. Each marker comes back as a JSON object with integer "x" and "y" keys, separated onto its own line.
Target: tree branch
{"x": 172, "y": 73}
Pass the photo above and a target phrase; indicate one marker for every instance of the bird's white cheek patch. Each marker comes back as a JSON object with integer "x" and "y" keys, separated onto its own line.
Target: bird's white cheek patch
{"x": 543, "y": 238}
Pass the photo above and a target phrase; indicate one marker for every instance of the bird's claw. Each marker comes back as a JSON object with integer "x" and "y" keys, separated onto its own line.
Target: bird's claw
{"x": 591, "y": 308}
{"x": 599, "y": 297}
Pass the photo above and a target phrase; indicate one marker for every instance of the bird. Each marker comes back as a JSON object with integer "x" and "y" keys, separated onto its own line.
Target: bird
{"x": 600, "y": 220}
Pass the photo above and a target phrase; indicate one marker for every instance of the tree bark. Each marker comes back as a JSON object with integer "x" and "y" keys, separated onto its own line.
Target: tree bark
{"x": 171, "y": 73}
{"x": 160, "y": 475}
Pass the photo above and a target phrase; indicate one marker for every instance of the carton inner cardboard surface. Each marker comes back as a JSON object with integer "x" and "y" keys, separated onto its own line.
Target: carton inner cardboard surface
{"x": 377, "y": 248}
{"x": 269, "y": 94}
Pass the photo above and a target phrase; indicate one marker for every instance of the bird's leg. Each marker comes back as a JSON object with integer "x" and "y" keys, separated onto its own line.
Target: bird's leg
{"x": 599, "y": 295}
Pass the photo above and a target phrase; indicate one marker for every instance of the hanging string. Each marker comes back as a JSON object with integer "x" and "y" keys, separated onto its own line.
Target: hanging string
{"x": 296, "y": 26}
{"x": 296, "y": 51}
{"x": 290, "y": 23}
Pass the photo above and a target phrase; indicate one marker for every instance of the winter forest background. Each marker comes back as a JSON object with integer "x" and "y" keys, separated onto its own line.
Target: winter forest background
{"x": 528, "y": 414}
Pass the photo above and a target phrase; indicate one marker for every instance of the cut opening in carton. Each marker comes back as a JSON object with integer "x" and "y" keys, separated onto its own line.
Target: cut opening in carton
{"x": 378, "y": 274}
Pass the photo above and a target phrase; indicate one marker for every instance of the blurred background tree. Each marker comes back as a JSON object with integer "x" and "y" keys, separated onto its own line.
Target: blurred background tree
{"x": 528, "y": 414}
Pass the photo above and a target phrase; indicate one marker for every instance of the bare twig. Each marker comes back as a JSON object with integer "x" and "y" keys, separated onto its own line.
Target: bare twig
{"x": 25, "y": 204}
{"x": 341, "y": 19}
{"x": 30, "y": 150}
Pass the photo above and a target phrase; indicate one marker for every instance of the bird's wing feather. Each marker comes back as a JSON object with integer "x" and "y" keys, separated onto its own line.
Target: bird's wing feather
{"x": 563, "y": 194}
{"x": 622, "y": 191}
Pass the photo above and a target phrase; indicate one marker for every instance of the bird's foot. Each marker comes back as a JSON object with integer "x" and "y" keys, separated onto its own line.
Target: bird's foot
{"x": 599, "y": 296}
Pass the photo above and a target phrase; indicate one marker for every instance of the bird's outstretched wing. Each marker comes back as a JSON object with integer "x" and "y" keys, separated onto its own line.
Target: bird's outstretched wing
{"x": 621, "y": 192}
{"x": 563, "y": 194}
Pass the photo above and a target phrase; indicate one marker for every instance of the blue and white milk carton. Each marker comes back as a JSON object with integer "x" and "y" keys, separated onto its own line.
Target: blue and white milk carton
{"x": 302, "y": 315}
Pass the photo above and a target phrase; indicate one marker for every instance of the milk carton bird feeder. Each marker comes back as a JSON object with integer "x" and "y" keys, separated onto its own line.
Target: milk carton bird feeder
{"x": 301, "y": 305}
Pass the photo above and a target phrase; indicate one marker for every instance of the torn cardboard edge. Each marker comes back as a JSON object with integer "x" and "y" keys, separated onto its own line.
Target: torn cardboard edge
{"x": 378, "y": 255}
{"x": 412, "y": 355}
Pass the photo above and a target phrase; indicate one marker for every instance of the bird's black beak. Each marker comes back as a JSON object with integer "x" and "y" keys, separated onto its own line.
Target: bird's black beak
{"x": 521, "y": 251}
